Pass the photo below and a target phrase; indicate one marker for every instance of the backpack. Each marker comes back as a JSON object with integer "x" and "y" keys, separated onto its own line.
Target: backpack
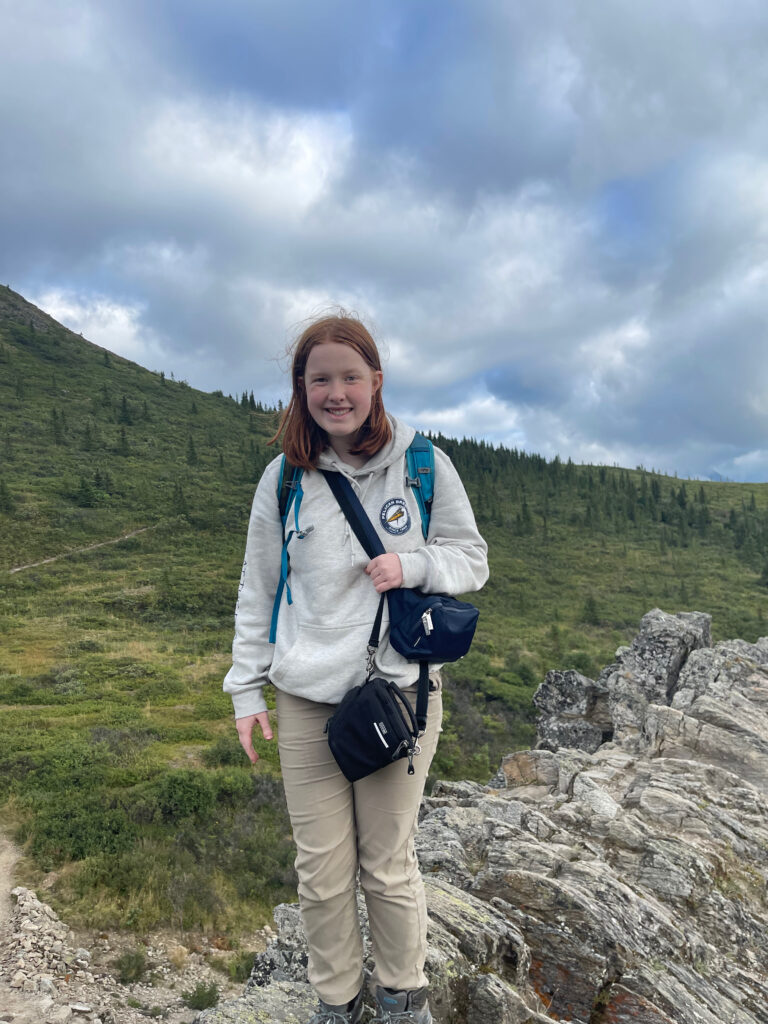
{"x": 420, "y": 475}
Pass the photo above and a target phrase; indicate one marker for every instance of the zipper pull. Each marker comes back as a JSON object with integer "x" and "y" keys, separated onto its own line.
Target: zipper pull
{"x": 411, "y": 752}
{"x": 426, "y": 621}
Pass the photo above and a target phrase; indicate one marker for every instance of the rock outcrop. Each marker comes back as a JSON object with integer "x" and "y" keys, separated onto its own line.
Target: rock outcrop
{"x": 615, "y": 874}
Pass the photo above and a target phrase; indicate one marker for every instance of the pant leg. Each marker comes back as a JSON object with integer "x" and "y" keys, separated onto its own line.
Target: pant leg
{"x": 321, "y": 807}
{"x": 386, "y": 809}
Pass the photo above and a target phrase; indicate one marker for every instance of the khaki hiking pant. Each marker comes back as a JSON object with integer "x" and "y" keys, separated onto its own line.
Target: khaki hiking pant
{"x": 342, "y": 828}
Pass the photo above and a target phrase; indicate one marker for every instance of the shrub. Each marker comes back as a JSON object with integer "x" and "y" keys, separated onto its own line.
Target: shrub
{"x": 72, "y": 766}
{"x": 582, "y": 662}
{"x": 131, "y": 965}
{"x": 183, "y": 794}
{"x": 234, "y": 787}
{"x": 225, "y": 751}
{"x": 202, "y": 996}
{"x": 64, "y": 830}
{"x": 240, "y": 966}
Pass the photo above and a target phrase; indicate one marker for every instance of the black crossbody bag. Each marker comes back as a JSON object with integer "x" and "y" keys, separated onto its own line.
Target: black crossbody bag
{"x": 375, "y": 725}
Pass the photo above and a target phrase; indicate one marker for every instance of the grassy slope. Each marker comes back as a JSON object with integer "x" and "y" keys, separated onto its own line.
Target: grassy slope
{"x": 111, "y": 660}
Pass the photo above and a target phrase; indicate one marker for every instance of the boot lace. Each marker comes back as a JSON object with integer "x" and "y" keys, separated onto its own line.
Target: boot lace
{"x": 330, "y": 1017}
{"x": 402, "y": 1017}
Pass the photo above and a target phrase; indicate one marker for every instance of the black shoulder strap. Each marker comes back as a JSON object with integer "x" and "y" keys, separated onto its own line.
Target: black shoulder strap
{"x": 371, "y": 544}
{"x": 355, "y": 513}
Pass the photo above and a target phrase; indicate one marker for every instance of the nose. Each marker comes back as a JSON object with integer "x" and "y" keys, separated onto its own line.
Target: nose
{"x": 336, "y": 390}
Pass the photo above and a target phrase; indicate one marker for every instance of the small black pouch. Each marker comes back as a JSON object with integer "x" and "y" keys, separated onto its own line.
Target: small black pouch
{"x": 373, "y": 726}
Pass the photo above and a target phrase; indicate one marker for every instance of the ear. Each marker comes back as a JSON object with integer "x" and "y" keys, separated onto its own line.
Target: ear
{"x": 378, "y": 380}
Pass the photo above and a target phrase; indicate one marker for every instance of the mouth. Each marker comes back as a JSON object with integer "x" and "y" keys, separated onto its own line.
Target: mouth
{"x": 338, "y": 413}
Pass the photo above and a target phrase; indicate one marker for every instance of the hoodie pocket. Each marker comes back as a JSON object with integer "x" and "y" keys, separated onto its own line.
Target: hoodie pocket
{"x": 322, "y": 663}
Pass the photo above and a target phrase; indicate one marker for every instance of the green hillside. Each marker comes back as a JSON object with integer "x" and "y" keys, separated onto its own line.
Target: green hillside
{"x": 119, "y": 765}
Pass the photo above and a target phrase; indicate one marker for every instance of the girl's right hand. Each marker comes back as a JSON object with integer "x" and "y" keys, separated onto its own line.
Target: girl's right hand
{"x": 245, "y": 732}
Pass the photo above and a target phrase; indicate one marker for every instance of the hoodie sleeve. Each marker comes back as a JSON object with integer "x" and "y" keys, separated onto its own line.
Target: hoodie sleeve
{"x": 455, "y": 557}
{"x": 251, "y": 649}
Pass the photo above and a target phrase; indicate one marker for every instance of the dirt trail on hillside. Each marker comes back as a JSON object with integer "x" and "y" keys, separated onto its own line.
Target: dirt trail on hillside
{"x": 77, "y": 551}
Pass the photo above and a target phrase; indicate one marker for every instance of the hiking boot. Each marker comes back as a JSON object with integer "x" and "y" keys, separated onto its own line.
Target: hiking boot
{"x": 348, "y": 1013}
{"x": 402, "y": 1007}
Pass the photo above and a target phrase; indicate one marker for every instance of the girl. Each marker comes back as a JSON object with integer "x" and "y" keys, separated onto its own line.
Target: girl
{"x": 336, "y": 420}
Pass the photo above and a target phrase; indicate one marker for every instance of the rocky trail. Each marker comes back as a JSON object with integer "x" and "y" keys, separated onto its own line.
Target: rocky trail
{"x": 79, "y": 551}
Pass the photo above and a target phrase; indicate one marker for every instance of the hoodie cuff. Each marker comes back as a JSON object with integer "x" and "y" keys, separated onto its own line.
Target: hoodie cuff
{"x": 250, "y": 703}
{"x": 414, "y": 567}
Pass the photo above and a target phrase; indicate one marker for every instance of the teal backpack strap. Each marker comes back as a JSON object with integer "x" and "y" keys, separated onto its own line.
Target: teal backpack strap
{"x": 289, "y": 493}
{"x": 420, "y": 461}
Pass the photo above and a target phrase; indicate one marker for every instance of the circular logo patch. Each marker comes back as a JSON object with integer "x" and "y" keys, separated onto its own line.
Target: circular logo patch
{"x": 395, "y": 517}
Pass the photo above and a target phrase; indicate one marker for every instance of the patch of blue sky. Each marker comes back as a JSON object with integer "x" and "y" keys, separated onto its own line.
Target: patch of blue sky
{"x": 636, "y": 215}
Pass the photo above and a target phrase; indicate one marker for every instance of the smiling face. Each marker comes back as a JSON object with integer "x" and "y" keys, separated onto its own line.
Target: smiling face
{"x": 339, "y": 386}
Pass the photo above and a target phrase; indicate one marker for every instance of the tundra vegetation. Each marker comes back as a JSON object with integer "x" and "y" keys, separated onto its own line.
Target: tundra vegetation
{"x": 119, "y": 767}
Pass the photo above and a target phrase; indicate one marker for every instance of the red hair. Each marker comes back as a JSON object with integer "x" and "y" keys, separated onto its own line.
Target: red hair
{"x": 303, "y": 439}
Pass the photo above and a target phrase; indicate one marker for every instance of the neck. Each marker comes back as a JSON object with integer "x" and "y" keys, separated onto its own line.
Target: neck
{"x": 343, "y": 452}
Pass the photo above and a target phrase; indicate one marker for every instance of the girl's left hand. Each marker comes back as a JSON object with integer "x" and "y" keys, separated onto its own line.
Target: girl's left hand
{"x": 386, "y": 572}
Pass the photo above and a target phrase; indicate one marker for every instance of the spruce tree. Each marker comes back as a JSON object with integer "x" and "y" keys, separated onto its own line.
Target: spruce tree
{"x": 125, "y": 412}
{"x": 8, "y": 452}
{"x": 85, "y": 497}
{"x": 178, "y": 501}
{"x": 6, "y": 499}
{"x": 122, "y": 445}
{"x": 57, "y": 426}
{"x": 590, "y": 613}
{"x": 191, "y": 452}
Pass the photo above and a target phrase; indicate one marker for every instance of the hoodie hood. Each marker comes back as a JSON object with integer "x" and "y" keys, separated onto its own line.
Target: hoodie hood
{"x": 395, "y": 449}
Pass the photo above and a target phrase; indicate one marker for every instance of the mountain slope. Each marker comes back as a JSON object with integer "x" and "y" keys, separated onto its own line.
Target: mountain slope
{"x": 112, "y": 654}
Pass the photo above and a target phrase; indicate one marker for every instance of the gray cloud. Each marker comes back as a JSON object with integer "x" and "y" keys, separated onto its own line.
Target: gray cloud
{"x": 556, "y": 219}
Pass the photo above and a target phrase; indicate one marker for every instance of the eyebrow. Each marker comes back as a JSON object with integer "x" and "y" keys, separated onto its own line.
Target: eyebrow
{"x": 324, "y": 373}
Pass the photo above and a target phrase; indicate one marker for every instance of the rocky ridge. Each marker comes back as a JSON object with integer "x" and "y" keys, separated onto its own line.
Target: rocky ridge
{"x": 617, "y": 873}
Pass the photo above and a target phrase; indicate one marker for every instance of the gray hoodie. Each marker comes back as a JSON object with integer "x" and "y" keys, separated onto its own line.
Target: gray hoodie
{"x": 322, "y": 634}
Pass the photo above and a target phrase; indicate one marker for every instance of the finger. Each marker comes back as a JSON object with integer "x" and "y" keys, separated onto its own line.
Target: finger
{"x": 247, "y": 746}
{"x": 245, "y": 735}
{"x": 266, "y": 729}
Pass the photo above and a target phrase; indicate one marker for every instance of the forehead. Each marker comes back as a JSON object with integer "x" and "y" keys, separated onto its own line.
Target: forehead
{"x": 334, "y": 356}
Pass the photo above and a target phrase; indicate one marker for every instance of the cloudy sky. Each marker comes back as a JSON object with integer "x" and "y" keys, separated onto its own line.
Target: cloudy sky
{"x": 553, "y": 215}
